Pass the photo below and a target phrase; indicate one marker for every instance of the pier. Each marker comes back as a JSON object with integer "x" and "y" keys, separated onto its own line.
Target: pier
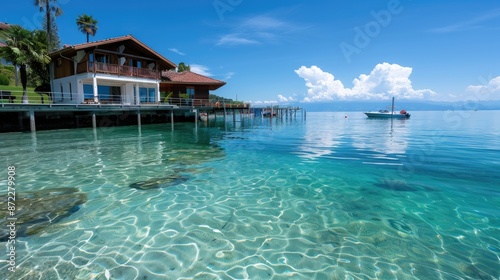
{"x": 44, "y": 114}
{"x": 281, "y": 112}
{"x": 271, "y": 112}
{"x": 36, "y": 115}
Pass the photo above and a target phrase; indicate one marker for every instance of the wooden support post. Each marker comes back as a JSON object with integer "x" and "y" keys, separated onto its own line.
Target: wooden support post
{"x": 172, "y": 118}
{"x": 94, "y": 120}
{"x": 32, "y": 121}
{"x": 20, "y": 118}
{"x": 224, "y": 103}
{"x": 138, "y": 118}
{"x": 196, "y": 117}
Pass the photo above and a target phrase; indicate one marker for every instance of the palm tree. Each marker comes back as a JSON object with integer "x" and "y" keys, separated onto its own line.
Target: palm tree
{"x": 40, "y": 67}
{"x": 87, "y": 25}
{"x": 22, "y": 48}
{"x": 45, "y": 6}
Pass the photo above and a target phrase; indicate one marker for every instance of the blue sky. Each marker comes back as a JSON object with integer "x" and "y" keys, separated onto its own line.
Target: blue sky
{"x": 314, "y": 51}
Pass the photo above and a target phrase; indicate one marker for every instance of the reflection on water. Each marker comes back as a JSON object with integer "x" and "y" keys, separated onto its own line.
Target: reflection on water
{"x": 384, "y": 136}
{"x": 321, "y": 139}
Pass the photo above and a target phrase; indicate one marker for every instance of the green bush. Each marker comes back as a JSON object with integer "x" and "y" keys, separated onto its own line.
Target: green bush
{"x": 8, "y": 71}
{"x": 4, "y": 81}
{"x": 8, "y": 67}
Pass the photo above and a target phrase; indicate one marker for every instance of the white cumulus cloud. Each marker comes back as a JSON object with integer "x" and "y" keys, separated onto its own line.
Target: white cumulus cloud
{"x": 282, "y": 98}
{"x": 384, "y": 81}
{"x": 487, "y": 91}
{"x": 200, "y": 69}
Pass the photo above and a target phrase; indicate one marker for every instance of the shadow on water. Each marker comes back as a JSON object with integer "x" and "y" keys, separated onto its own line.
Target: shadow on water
{"x": 403, "y": 186}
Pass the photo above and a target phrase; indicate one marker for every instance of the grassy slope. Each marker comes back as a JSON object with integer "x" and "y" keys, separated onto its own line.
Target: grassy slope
{"x": 18, "y": 93}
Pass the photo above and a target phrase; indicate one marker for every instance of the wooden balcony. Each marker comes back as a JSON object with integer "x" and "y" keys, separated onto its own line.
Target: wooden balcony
{"x": 115, "y": 69}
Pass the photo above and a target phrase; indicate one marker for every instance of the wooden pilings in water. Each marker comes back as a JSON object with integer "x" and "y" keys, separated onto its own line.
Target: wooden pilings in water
{"x": 280, "y": 112}
{"x": 32, "y": 121}
{"x": 37, "y": 117}
{"x": 94, "y": 120}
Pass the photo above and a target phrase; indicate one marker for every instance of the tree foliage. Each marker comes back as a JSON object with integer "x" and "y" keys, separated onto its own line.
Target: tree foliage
{"x": 23, "y": 48}
{"x": 8, "y": 71}
{"x": 87, "y": 25}
{"x": 39, "y": 67}
{"x": 183, "y": 67}
{"x": 4, "y": 80}
{"x": 52, "y": 10}
{"x": 213, "y": 97}
{"x": 55, "y": 43}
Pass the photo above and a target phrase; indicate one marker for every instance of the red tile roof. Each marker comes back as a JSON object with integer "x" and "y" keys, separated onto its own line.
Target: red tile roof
{"x": 4, "y": 25}
{"x": 188, "y": 77}
{"x": 77, "y": 47}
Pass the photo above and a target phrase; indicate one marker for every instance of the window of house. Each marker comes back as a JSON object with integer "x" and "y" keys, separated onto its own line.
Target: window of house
{"x": 88, "y": 92}
{"x": 143, "y": 94}
{"x": 70, "y": 92}
{"x": 190, "y": 92}
{"x": 152, "y": 95}
{"x": 135, "y": 63}
{"x": 104, "y": 93}
{"x": 91, "y": 60}
{"x": 103, "y": 58}
{"x": 62, "y": 93}
{"x": 147, "y": 94}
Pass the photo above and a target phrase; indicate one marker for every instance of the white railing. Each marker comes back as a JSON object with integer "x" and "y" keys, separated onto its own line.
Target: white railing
{"x": 8, "y": 98}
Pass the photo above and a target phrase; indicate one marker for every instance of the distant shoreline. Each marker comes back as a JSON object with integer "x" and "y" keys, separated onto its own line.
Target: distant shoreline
{"x": 353, "y": 106}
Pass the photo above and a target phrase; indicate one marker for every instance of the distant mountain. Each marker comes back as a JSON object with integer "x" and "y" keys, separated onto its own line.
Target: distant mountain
{"x": 403, "y": 104}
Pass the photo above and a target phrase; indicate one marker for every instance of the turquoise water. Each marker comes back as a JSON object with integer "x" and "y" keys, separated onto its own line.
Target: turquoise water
{"x": 325, "y": 198}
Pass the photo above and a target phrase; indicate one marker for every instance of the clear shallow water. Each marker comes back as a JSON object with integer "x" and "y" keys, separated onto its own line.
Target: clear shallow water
{"x": 325, "y": 198}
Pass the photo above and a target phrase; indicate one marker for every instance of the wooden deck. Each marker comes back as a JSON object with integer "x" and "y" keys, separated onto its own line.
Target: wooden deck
{"x": 19, "y": 114}
{"x": 18, "y": 107}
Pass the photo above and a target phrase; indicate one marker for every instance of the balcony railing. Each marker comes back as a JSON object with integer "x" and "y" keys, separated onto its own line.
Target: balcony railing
{"x": 115, "y": 69}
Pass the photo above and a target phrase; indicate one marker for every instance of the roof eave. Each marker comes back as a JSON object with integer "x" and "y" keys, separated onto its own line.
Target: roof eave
{"x": 166, "y": 63}
{"x": 212, "y": 86}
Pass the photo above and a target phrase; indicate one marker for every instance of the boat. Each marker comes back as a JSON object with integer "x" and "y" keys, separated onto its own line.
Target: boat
{"x": 386, "y": 114}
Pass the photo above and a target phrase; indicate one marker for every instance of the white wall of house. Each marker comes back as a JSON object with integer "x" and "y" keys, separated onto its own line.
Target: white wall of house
{"x": 67, "y": 91}
{"x": 70, "y": 90}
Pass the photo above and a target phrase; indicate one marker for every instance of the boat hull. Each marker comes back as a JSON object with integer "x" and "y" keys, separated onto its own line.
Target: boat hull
{"x": 387, "y": 115}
